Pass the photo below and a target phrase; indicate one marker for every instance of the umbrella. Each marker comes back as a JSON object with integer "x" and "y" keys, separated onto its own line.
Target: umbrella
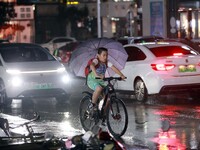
{"x": 88, "y": 50}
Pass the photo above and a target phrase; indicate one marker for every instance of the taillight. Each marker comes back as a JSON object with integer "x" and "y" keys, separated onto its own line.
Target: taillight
{"x": 162, "y": 67}
{"x": 178, "y": 54}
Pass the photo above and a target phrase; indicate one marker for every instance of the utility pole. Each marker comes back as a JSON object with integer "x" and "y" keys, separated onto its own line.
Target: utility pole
{"x": 99, "y": 17}
{"x": 130, "y": 20}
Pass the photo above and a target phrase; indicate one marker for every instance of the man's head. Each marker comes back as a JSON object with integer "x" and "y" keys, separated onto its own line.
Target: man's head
{"x": 102, "y": 54}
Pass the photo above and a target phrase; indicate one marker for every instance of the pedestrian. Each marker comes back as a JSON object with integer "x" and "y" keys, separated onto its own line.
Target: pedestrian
{"x": 98, "y": 69}
{"x": 58, "y": 53}
{"x": 55, "y": 50}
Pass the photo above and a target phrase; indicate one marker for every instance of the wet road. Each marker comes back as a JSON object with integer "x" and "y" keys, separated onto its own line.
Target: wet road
{"x": 146, "y": 121}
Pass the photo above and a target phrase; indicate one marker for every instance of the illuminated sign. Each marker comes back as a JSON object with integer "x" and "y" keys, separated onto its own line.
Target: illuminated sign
{"x": 72, "y": 3}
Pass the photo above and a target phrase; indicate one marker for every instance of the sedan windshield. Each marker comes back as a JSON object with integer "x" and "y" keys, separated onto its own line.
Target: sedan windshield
{"x": 163, "y": 51}
{"x": 25, "y": 53}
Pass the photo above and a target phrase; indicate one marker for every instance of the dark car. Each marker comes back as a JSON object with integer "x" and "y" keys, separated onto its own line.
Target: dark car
{"x": 190, "y": 42}
{"x": 146, "y": 39}
{"x": 4, "y": 41}
{"x": 65, "y": 51}
{"x": 138, "y": 39}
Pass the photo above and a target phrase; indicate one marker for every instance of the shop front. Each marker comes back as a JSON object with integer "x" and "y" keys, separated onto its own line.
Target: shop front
{"x": 188, "y": 24}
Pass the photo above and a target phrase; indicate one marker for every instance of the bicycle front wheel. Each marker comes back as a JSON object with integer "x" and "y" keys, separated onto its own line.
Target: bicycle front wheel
{"x": 117, "y": 117}
{"x": 85, "y": 113}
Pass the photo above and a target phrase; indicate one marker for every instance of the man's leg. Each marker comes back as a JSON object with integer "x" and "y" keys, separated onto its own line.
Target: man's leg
{"x": 96, "y": 94}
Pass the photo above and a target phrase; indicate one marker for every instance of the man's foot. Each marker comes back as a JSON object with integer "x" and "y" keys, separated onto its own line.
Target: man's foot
{"x": 103, "y": 123}
{"x": 95, "y": 114}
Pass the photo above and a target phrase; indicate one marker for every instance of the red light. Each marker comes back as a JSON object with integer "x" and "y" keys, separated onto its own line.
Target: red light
{"x": 178, "y": 54}
{"x": 162, "y": 67}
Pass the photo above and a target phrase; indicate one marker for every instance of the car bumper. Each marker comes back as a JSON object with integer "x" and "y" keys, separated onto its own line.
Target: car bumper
{"x": 39, "y": 87}
{"x": 164, "y": 84}
{"x": 179, "y": 88}
{"x": 42, "y": 93}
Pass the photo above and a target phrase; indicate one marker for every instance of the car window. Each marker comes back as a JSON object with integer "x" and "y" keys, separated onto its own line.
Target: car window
{"x": 25, "y": 54}
{"x": 163, "y": 51}
{"x": 60, "y": 40}
{"x": 134, "y": 53}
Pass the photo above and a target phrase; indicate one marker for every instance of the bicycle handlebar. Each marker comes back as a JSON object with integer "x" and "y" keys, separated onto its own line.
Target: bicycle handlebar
{"x": 36, "y": 117}
{"x": 110, "y": 78}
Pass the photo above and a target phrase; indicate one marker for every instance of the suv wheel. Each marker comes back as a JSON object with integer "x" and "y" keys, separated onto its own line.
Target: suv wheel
{"x": 3, "y": 97}
{"x": 140, "y": 90}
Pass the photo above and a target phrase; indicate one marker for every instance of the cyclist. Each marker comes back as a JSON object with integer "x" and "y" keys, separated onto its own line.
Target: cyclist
{"x": 98, "y": 68}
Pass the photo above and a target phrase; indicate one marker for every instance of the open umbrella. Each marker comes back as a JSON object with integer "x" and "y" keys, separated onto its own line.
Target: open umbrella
{"x": 88, "y": 50}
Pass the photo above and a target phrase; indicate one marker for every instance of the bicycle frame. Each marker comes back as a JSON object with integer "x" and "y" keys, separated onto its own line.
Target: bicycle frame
{"x": 109, "y": 92}
{"x": 30, "y": 138}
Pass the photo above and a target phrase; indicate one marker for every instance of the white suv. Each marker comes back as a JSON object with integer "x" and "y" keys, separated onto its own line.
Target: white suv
{"x": 28, "y": 70}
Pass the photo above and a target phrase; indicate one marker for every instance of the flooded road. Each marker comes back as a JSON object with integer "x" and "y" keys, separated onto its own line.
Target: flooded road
{"x": 160, "y": 123}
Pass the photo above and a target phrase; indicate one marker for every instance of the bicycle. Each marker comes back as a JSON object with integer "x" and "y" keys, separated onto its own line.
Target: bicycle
{"x": 114, "y": 113}
{"x": 8, "y": 138}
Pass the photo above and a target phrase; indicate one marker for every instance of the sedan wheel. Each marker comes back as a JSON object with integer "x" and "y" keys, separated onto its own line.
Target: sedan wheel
{"x": 3, "y": 97}
{"x": 140, "y": 90}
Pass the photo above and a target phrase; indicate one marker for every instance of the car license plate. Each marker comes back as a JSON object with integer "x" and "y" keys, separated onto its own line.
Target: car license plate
{"x": 43, "y": 86}
{"x": 187, "y": 68}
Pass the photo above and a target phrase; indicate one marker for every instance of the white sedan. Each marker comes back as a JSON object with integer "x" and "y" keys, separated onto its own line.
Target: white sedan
{"x": 59, "y": 41}
{"x": 160, "y": 68}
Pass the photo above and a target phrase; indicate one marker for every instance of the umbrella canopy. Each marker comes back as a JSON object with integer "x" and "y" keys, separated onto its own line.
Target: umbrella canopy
{"x": 88, "y": 50}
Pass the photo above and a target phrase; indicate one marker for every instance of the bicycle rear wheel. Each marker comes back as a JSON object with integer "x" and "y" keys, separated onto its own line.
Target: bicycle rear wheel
{"x": 117, "y": 117}
{"x": 85, "y": 113}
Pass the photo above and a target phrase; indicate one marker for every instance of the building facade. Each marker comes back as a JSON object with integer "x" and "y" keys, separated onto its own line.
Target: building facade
{"x": 42, "y": 20}
{"x": 171, "y": 18}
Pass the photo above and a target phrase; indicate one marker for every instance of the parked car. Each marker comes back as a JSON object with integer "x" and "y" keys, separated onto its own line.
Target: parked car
{"x": 145, "y": 39}
{"x": 4, "y": 41}
{"x": 196, "y": 41}
{"x": 193, "y": 43}
{"x": 124, "y": 40}
{"x": 59, "y": 41}
{"x": 138, "y": 39}
{"x": 160, "y": 68}
{"x": 28, "y": 71}
{"x": 66, "y": 51}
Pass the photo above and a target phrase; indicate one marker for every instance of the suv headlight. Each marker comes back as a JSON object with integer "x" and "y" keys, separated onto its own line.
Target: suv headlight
{"x": 66, "y": 78}
{"x": 13, "y": 71}
{"x": 16, "y": 81}
{"x": 61, "y": 69}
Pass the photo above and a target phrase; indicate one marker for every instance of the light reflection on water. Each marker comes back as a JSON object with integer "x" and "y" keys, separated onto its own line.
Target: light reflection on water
{"x": 144, "y": 122}
{"x": 182, "y": 133}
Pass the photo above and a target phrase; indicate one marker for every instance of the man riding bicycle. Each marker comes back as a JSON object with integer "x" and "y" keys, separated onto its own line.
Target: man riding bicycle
{"x": 98, "y": 69}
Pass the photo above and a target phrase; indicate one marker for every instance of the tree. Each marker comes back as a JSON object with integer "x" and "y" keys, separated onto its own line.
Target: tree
{"x": 7, "y": 12}
{"x": 73, "y": 15}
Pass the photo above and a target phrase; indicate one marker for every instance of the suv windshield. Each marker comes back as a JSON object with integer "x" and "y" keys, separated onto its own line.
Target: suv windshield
{"x": 24, "y": 53}
{"x": 163, "y": 51}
